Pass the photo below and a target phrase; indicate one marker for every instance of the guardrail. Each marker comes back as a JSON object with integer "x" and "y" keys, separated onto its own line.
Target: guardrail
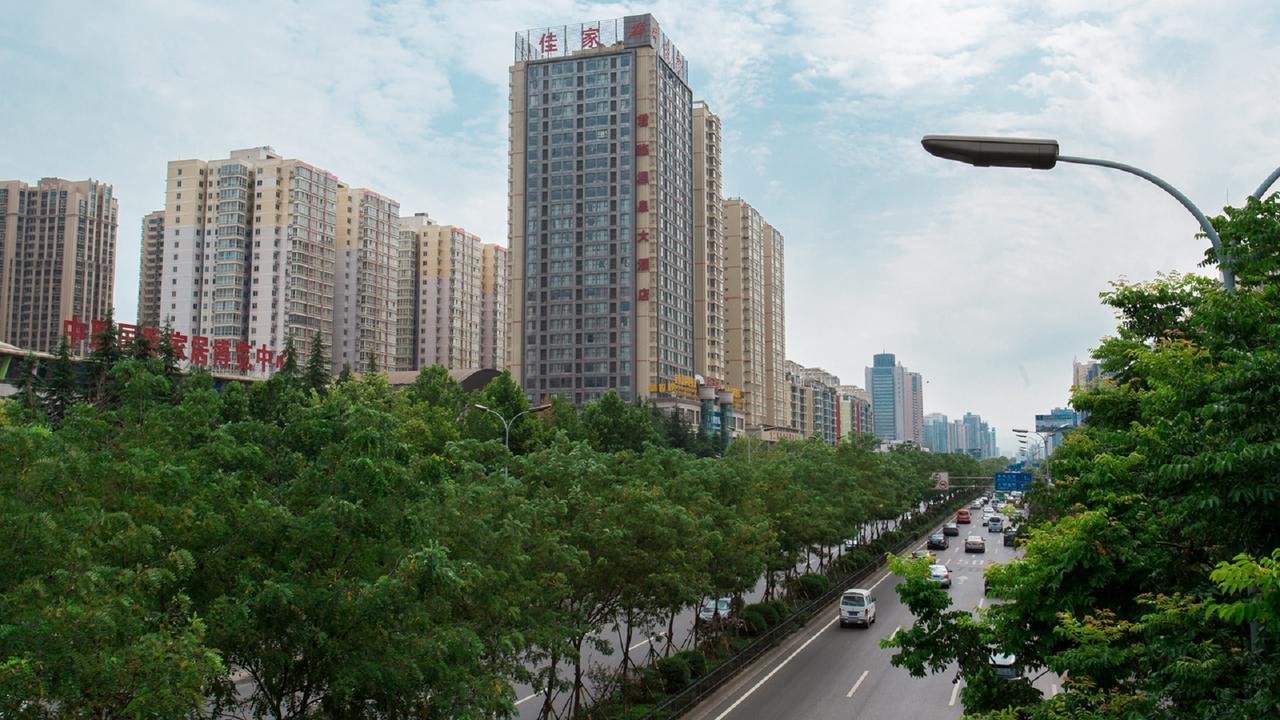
{"x": 677, "y": 704}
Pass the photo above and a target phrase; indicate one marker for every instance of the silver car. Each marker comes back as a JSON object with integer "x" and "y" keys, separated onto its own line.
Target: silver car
{"x": 940, "y": 574}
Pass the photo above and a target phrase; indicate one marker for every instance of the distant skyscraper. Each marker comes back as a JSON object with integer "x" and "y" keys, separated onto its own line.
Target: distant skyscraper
{"x": 915, "y": 428}
{"x": 57, "y": 258}
{"x": 365, "y": 284}
{"x": 775, "y": 335}
{"x": 855, "y": 411}
{"x": 885, "y": 381}
{"x": 709, "y": 247}
{"x": 601, "y": 213}
{"x": 1086, "y": 375}
{"x": 745, "y": 311}
{"x": 936, "y": 433}
{"x": 150, "y": 262}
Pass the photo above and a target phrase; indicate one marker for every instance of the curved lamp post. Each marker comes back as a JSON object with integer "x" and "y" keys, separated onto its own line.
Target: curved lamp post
{"x": 506, "y": 425}
{"x": 1039, "y": 154}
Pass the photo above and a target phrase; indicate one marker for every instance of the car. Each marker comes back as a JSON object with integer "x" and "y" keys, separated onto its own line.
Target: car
{"x": 985, "y": 520}
{"x": 1010, "y": 537}
{"x": 849, "y": 543}
{"x": 975, "y": 543}
{"x": 715, "y": 607}
{"x": 962, "y": 517}
{"x": 951, "y": 529}
{"x": 917, "y": 554}
{"x": 987, "y": 511}
{"x": 937, "y": 541}
{"x": 857, "y": 607}
{"x": 940, "y": 574}
{"x": 1005, "y": 665}
{"x": 976, "y": 504}
{"x": 995, "y": 524}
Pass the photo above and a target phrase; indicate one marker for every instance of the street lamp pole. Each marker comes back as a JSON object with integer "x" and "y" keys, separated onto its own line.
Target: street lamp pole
{"x": 1038, "y": 154}
{"x": 506, "y": 427}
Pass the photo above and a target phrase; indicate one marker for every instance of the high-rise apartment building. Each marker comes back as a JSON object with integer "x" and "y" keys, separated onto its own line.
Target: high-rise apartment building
{"x": 494, "y": 263}
{"x": 366, "y": 281}
{"x": 744, "y": 298}
{"x": 57, "y": 258}
{"x": 709, "y": 247}
{"x": 1086, "y": 375}
{"x": 957, "y": 436}
{"x": 601, "y": 212}
{"x": 149, "y": 263}
{"x": 250, "y": 250}
{"x": 855, "y": 411}
{"x": 813, "y": 404}
{"x": 441, "y": 269}
{"x": 915, "y": 428}
{"x": 775, "y": 340}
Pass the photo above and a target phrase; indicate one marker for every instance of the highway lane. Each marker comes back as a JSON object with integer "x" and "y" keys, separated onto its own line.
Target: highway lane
{"x": 529, "y": 701}
{"x": 826, "y": 671}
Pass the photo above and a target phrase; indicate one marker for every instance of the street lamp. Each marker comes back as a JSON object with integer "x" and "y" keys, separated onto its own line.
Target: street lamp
{"x": 1038, "y": 154}
{"x": 506, "y": 425}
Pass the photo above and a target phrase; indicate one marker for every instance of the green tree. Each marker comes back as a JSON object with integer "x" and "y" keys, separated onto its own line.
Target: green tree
{"x": 59, "y": 389}
{"x": 611, "y": 425}
{"x": 318, "y": 373}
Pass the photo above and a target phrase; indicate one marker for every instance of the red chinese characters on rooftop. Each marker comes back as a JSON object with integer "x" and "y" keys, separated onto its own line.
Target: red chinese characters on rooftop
{"x": 590, "y": 37}
{"x": 221, "y": 354}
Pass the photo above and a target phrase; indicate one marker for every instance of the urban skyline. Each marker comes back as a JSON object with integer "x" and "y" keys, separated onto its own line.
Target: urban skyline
{"x": 426, "y": 120}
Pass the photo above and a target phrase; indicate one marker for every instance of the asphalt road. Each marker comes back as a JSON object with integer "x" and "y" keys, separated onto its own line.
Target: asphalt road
{"x": 825, "y": 671}
{"x": 529, "y": 702}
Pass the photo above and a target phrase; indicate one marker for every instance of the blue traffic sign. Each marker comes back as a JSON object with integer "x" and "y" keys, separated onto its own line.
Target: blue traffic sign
{"x": 1010, "y": 481}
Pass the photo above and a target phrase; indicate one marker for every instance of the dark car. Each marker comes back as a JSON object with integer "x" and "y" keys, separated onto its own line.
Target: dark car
{"x": 951, "y": 529}
{"x": 1010, "y": 537}
{"x": 937, "y": 541}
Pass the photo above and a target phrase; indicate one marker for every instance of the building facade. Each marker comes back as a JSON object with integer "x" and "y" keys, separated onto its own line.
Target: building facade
{"x": 814, "y": 401}
{"x": 494, "y": 261}
{"x": 250, "y": 250}
{"x": 936, "y": 433}
{"x": 366, "y": 281}
{"x": 915, "y": 403}
{"x": 709, "y": 248}
{"x": 745, "y": 360}
{"x": 441, "y": 301}
{"x": 775, "y": 337}
{"x": 887, "y": 381}
{"x": 57, "y": 258}
{"x": 151, "y": 259}
{"x": 855, "y": 411}
{"x": 601, "y": 213}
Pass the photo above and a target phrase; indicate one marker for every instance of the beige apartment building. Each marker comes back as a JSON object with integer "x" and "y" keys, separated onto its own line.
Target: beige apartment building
{"x": 250, "y": 249}
{"x": 745, "y": 299}
{"x": 776, "y": 387}
{"x": 708, "y": 249}
{"x": 150, "y": 261}
{"x": 494, "y": 263}
{"x": 366, "y": 281}
{"x": 445, "y": 274}
{"x": 57, "y": 259}
{"x": 814, "y": 402}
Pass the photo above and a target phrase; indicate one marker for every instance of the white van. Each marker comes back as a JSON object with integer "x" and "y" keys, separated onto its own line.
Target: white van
{"x": 857, "y": 607}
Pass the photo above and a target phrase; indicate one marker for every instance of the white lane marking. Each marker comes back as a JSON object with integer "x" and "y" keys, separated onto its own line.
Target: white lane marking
{"x": 774, "y": 671}
{"x": 955, "y": 690}
{"x": 895, "y": 632}
{"x": 981, "y": 601}
{"x": 642, "y": 642}
{"x": 886, "y": 577}
{"x": 528, "y": 698}
{"x": 854, "y": 689}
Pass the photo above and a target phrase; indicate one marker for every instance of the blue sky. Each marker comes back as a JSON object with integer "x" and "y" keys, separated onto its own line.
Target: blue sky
{"x": 984, "y": 280}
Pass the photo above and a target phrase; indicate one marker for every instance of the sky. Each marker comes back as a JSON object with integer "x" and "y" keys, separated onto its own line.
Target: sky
{"x": 985, "y": 280}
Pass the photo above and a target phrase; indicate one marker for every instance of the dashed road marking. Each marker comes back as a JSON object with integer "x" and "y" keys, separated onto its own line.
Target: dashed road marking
{"x": 981, "y": 601}
{"x": 955, "y": 690}
{"x": 527, "y": 699}
{"x": 854, "y": 689}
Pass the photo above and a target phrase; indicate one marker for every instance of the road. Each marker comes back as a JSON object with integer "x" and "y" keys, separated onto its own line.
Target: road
{"x": 529, "y": 703}
{"x": 825, "y": 671}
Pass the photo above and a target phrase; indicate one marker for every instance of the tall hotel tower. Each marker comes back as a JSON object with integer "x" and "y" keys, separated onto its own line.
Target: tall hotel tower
{"x": 601, "y": 217}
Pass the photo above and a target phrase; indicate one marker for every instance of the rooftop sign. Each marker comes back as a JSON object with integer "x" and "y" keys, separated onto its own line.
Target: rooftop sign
{"x": 629, "y": 32}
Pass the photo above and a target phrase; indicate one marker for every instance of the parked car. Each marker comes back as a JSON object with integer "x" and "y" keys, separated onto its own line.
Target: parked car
{"x": 975, "y": 543}
{"x": 857, "y": 607}
{"x": 848, "y": 544}
{"x": 715, "y": 607}
{"x": 940, "y": 574}
{"x": 951, "y": 529}
{"x": 962, "y": 517}
{"x": 1010, "y": 537}
{"x": 937, "y": 541}
{"x": 995, "y": 524}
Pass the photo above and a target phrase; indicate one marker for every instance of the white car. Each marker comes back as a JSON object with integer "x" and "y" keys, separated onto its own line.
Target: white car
{"x": 940, "y": 574}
